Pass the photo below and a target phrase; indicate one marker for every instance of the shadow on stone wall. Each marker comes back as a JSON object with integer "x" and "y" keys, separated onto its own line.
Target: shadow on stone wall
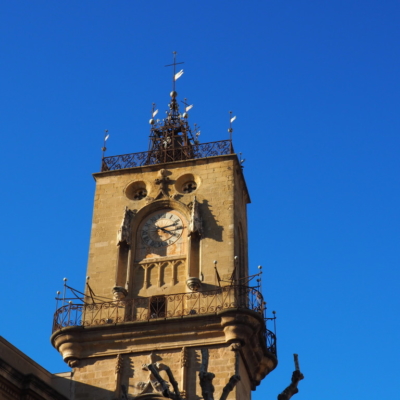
{"x": 211, "y": 229}
{"x": 81, "y": 391}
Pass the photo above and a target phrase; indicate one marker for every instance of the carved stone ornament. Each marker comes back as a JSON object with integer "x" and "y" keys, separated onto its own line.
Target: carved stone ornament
{"x": 118, "y": 364}
{"x": 184, "y": 357}
{"x": 297, "y": 376}
{"x": 156, "y": 384}
{"x": 292, "y": 389}
{"x": 119, "y": 293}
{"x": 124, "y": 232}
{"x": 195, "y": 225}
{"x": 193, "y": 284}
{"x": 163, "y": 180}
{"x": 73, "y": 362}
{"x": 152, "y": 385}
{"x": 149, "y": 199}
{"x": 236, "y": 346}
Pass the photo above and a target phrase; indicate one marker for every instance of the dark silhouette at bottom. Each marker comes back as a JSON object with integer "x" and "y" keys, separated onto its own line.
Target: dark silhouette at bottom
{"x": 297, "y": 376}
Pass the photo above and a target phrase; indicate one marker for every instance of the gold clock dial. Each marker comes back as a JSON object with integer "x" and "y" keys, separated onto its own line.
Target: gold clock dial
{"x": 161, "y": 229}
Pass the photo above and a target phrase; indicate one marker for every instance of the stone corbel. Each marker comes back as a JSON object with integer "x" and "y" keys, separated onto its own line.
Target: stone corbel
{"x": 70, "y": 351}
{"x": 194, "y": 284}
{"x": 119, "y": 293}
{"x": 73, "y": 362}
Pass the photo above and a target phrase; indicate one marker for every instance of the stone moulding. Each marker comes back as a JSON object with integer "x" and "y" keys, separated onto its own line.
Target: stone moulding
{"x": 227, "y": 326}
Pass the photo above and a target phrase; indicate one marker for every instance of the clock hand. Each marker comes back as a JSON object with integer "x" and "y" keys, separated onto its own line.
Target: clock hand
{"x": 177, "y": 228}
{"x": 165, "y": 230}
{"x": 170, "y": 232}
{"x": 170, "y": 225}
{"x": 156, "y": 228}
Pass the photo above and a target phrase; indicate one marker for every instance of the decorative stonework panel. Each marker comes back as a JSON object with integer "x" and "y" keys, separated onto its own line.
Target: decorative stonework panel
{"x": 152, "y": 273}
{"x": 142, "y": 381}
{"x": 162, "y": 274}
{"x": 180, "y": 272}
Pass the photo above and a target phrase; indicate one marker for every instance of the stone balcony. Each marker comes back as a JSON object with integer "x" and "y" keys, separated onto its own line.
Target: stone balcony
{"x": 167, "y": 307}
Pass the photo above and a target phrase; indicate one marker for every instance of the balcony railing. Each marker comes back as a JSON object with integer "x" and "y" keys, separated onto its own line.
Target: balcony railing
{"x": 181, "y": 153}
{"x": 164, "y": 307}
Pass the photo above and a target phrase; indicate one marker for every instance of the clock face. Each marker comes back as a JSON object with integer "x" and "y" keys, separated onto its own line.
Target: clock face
{"x": 161, "y": 229}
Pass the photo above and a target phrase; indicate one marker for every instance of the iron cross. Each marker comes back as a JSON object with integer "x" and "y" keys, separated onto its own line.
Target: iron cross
{"x": 174, "y": 65}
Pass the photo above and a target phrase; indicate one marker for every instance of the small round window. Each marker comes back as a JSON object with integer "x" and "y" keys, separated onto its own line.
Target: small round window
{"x": 137, "y": 190}
{"x": 140, "y": 194}
{"x": 187, "y": 183}
{"x": 189, "y": 187}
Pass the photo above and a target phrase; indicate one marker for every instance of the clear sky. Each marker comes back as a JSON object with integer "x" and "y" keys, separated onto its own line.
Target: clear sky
{"x": 315, "y": 87}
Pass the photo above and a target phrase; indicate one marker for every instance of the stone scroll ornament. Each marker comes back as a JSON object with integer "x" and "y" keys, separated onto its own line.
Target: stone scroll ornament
{"x": 124, "y": 232}
{"x": 206, "y": 378}
{"x": 297, "y": 376}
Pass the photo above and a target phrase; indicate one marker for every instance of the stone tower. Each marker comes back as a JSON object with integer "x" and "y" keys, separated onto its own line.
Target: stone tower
{"x": 167, "y": 309}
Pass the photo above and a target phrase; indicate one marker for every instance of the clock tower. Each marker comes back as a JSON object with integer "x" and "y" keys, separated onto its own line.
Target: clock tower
{"x": 168, "y": 310}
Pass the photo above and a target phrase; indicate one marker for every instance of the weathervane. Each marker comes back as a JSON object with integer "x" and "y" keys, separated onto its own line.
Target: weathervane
{"x": 231, "y": 119}
{"x": 153, "y": 112}
{"x": 175, "y": 75}
{"x": 106, "y": 136}
{"x": 188, "y": 107}
{"x": 104, "y": 148}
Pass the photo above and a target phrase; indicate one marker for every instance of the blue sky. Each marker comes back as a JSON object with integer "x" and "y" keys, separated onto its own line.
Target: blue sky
{"x": 315, "y": 87}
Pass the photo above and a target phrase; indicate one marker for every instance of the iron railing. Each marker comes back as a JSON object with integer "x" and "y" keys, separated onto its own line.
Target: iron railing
{"x": 164, "y": 307}
{"x": 270, "y": 340}
{"x": 190, "y": 152}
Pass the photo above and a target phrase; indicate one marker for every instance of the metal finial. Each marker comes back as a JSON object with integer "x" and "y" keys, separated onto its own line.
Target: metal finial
{"x": 230, "y": 130}
{"x": 174, "y": 74}
{"x": 65, "y": 289}
{"x": 188, "y": 107}
{"x": 153, "y": 114}
{"x": 106, "y": 136}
